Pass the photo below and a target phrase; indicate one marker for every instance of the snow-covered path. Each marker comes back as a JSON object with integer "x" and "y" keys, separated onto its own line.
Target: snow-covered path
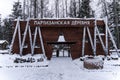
{"x": 64, "y": 67}
{"x": 62, "y": 64}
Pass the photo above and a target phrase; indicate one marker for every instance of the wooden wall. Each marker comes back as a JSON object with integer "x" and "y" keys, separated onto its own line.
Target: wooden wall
{"x": 51, "y": 33}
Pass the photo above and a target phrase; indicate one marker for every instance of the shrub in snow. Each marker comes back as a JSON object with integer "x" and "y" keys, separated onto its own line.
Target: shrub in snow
{"x": 85, "y": 57}
{"x": 93, "y": 63}
{"x": 29, "y": 60}
{"x": 40, "y": 60}
{"x": 18, "y": 60}
{"x": 108, "y": 58}
{"x": 114, "y": 56}
{"x": 82, "y": 58}
{"x": 21, "y": 60}
{"x": 101, "y": 57}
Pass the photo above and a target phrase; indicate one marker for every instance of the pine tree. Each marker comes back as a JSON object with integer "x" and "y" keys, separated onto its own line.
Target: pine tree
{"x": 0, "y": 28}
{"x": 85, "y": 10}
{"x": 115, "y": 18}
{"x": 116, "y": 11}
{"x": 57, "y": 8}
{"x": 73, "y": 9}
{"x": 7, "y": 30}
{"x": 0, "y": 20}
{"x": 17, "y": 10}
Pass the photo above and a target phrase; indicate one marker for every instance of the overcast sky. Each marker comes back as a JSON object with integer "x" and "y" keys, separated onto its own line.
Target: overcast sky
{"x": 6, "y": 7}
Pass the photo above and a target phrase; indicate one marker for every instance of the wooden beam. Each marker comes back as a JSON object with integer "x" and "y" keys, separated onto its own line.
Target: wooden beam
{"x": 83, "y": 41}
{"x": 14, "y": 34}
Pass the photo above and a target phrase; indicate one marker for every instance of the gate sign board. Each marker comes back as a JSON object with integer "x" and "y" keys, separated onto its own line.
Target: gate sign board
{"x": 63, "y": 22}
{"x": 75, "y": 22}
{"x": 31, "y": 37}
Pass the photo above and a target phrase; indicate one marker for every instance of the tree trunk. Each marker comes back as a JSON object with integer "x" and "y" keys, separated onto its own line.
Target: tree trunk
{"x": 35, "y": 9}
{"x": 42, "y": 4}
{"x": 66, "y": 8}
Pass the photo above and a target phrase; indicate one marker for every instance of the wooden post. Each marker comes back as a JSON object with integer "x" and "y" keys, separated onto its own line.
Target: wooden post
{"x": 24, "y": 37}
{"x": 41, "y": 41}
{"x": 106, "y": 35}
{"x": 91, "y": 42}
{"x": 83, "y": 41}
{"x": 34, "y": 40}
{"x": 14, "y": 35}
{"x": 19, "y": 36}
{"x": 95, "y": 37}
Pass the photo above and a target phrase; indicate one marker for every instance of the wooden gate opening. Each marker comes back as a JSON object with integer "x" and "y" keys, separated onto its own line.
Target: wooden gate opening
{"x": 57, "y": 47}
{"x": 61, "y": 48}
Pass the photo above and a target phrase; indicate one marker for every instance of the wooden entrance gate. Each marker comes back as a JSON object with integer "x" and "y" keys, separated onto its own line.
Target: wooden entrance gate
{"x": 31, "y": 36}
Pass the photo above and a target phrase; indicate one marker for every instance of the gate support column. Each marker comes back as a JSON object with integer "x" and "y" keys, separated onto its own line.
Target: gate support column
{"x": 95, "y": 37}
{"x": 41, "y": 41}
{"x": 83, "y": 41}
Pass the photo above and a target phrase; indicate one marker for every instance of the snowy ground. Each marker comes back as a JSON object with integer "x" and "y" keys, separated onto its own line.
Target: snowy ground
{"x": 3, "y": 51}
{"x": 62, "y": 68}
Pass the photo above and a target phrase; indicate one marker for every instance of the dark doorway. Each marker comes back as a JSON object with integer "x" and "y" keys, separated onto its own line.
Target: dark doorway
{"x": 61, "y": 48}
{"x": 61, "y": 51}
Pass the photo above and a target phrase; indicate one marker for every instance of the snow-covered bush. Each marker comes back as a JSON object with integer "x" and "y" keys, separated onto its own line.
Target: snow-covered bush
{"x": 93, "y": 63}
{"x": 114, "y": 56}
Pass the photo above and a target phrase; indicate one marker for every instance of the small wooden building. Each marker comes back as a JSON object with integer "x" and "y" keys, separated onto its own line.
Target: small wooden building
{"x": 3, "y": 44}
{"x": 35, "y": 36}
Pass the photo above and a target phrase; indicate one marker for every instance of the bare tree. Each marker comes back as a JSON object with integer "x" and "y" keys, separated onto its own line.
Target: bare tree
{"x": 66, "y": 5}
{"x": 42, "y": 6}
{"x": 73, "y": 8}
{"x": 104, "y": 7}
{"x": 79, "y": 4}
{"x": 35, "y": 8}
{"x": 57, "y": 8}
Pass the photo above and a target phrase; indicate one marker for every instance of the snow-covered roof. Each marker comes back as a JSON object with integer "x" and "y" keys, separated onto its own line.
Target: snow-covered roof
{"x": 2, "y": 41}
{"x": 65, "y": 18}
{"x": 68, "y": 18}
